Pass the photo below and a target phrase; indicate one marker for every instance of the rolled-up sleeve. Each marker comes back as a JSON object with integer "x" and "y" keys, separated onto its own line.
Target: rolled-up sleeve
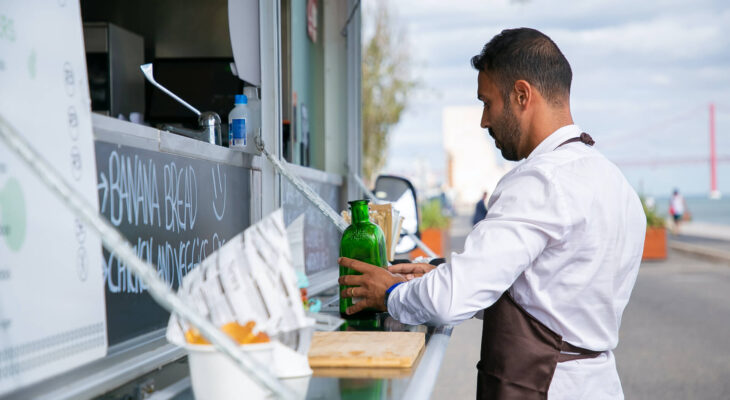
{"x": 526, "y": 212}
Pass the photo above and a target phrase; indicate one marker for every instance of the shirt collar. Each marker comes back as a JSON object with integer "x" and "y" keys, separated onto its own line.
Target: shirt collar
{"x": 555, "y": 139}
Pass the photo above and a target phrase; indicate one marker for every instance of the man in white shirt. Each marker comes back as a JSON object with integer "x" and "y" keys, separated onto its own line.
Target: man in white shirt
{"x": 553, "y": 263}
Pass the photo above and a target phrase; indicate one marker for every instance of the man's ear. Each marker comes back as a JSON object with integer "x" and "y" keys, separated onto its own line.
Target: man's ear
{"x": 522, "y": 93}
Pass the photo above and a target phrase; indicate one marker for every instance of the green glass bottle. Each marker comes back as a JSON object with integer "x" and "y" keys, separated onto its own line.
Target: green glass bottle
{"x": 361, "y": 389}
{"x": 364, "y": 241}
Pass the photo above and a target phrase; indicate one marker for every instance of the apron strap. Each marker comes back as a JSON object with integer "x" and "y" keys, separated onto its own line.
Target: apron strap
{"x": 568, "y": 352}
{"x": 584, "y": 137}
{"x": 575, "y": 352}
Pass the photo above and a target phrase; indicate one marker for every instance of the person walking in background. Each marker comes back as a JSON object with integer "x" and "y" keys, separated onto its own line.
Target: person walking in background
{"x": 481, "y": 210}
{"x": 677, "y": 208}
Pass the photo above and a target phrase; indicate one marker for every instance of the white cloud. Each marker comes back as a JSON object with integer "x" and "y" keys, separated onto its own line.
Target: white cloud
{"x": 636, "y": 65}
{"x": 656, "y": 40}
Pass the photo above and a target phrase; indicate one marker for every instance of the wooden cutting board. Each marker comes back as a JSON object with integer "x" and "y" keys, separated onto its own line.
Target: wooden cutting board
{"x": 365, "y": 349}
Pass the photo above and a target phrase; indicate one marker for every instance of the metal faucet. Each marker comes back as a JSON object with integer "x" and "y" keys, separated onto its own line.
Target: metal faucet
{"x": 209, "y": 121}
{"x": 210, "y": 128}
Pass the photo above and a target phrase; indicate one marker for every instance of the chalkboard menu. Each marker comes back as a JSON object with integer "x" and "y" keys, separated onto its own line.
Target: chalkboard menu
{"x": 174, "y": 210}
{"x": 321, "y": 237}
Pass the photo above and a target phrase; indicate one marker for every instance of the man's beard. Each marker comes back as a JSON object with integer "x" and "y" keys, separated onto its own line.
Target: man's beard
{"x": 507, "y": 133}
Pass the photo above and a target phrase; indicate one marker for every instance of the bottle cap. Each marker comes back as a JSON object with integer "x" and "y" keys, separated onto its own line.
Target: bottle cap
{"x": 241, "y": 99}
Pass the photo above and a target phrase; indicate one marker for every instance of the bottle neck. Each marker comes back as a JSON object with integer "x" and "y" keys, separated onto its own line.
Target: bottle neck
{"x": 359, "y": 212}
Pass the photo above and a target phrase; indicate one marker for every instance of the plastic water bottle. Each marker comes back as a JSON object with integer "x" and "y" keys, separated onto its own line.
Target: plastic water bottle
{"x": 238, "y": 119}
{"x": 254, "y": 121}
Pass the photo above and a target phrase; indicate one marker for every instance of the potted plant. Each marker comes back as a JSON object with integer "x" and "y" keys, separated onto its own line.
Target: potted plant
{"x": 655, "y": 243}
{"x": 434, "y": 229}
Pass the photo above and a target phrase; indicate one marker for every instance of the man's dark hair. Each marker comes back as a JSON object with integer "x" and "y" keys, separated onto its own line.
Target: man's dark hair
{"x": 528, "y": 54}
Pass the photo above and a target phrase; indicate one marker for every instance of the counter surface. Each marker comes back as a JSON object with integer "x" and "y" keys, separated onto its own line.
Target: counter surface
{"x": 416, "y": 382}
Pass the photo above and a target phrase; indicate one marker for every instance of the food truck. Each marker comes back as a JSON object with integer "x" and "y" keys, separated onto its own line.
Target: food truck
{"x": 127, "y": 101}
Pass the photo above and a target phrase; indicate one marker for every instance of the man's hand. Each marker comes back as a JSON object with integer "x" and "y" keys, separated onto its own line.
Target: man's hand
{"x": 370, "y": 286}
{"x": 411, "y": 271}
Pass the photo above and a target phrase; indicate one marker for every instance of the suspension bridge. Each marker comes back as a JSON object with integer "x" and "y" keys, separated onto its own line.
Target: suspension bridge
{"x": 711, "y": 158}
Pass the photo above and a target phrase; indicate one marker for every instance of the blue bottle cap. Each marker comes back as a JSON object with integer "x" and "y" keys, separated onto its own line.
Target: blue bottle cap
{"x": 241, "y": 99}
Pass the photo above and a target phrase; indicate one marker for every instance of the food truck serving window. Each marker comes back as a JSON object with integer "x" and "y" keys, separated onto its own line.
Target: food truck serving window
{"x": 314, "y": 83}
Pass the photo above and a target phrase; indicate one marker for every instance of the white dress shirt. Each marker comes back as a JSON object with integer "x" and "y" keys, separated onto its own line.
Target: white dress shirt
{"x": 565, "y": 231}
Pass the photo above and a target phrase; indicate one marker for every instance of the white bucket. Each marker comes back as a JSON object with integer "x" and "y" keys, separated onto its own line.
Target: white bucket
{"x": 216, "y": 377}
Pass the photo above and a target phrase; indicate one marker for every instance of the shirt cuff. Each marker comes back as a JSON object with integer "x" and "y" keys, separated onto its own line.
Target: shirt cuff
{"x": 389, "y": 294}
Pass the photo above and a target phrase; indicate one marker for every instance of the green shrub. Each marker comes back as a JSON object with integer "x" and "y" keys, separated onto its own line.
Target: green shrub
{"x": 432, "y": 216}
{"x": 653, "y": 219}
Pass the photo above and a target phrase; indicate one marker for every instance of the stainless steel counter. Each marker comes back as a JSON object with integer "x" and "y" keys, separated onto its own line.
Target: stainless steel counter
{"x": 415, "y": 383}
{"x": 386, "y": 383}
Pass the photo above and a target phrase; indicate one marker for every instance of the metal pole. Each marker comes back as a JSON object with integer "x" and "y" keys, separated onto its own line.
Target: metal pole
{"x": 713, "y": 156}
{"x": 147, "y": 273}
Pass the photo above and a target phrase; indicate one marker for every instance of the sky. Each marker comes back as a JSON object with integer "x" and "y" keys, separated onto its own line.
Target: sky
{"x": 644, "y": 74}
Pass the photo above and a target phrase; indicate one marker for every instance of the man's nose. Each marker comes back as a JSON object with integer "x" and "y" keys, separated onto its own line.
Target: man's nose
{"x": 485, "y": 121}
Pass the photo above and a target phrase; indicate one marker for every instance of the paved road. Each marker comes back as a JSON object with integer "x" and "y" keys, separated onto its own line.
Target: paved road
{"x": 719, "y": 244}
{"x": 674, "y": 340}
{"x": 675, "y": 334}
{"x": 458, "y": 374}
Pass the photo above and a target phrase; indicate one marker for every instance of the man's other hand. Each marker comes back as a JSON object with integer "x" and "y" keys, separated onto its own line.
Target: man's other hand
{"x": 370, "y": 286}
{"x": 411, "y": 271}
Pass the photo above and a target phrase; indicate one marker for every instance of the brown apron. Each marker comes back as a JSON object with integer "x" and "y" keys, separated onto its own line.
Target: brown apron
{"x": 519, "y": 353}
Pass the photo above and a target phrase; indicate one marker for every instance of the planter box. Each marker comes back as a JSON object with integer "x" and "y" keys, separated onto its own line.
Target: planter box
{"x": 436, "y": 240}
{"x": 655, "y": 244}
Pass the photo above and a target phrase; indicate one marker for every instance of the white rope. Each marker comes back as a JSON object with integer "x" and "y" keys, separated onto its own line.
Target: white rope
{"x": 411, "y": 235}
{"x": 307, "y": 191}
{"x": 322, "y": 205}
{"x": 146, "y": 272}
{"x": 365, "y": 190}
